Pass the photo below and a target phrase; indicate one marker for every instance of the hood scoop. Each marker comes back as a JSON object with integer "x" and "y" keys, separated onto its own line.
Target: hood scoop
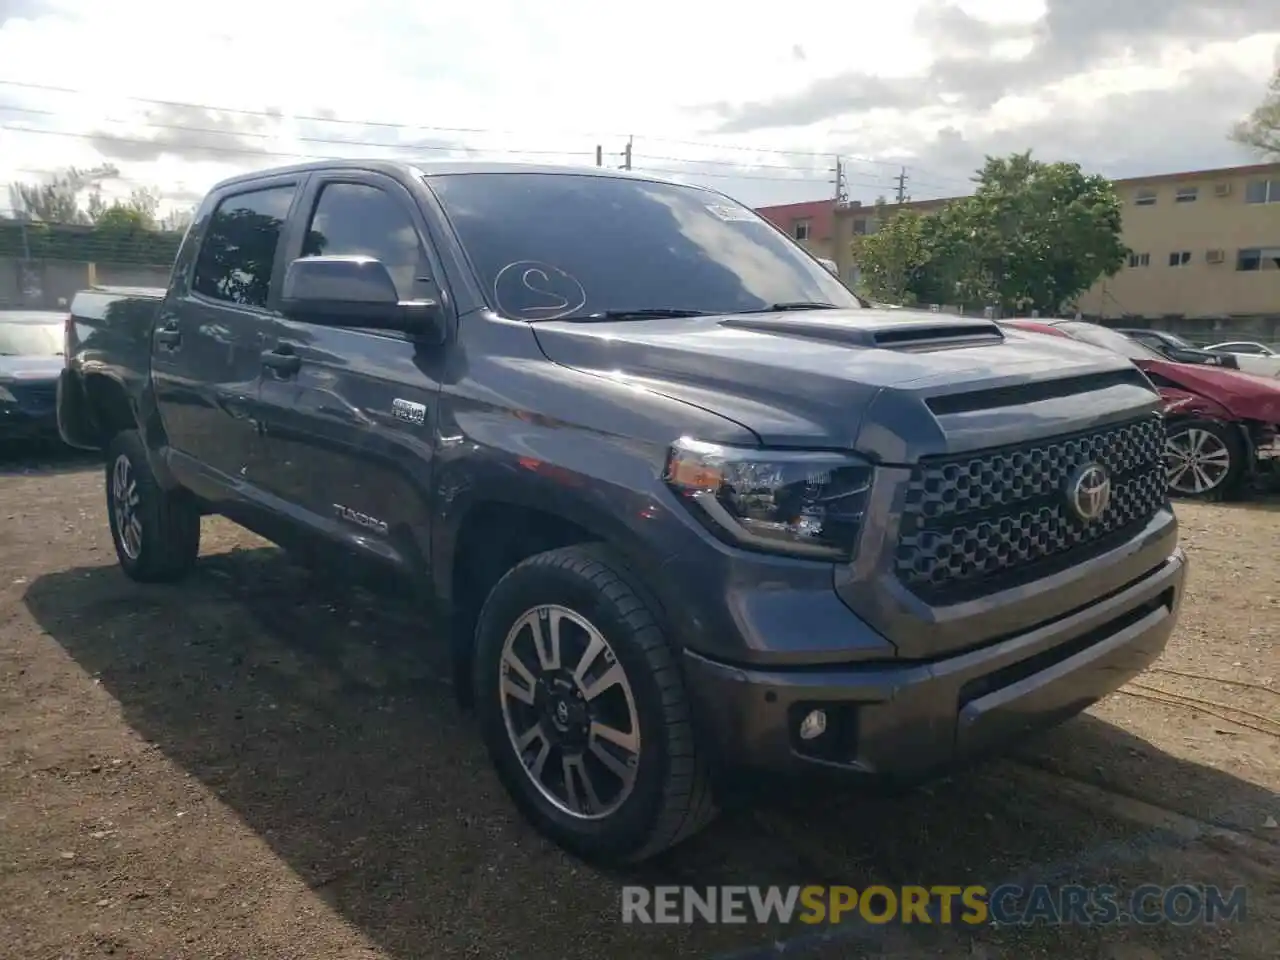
{"x": 882, "y": 332}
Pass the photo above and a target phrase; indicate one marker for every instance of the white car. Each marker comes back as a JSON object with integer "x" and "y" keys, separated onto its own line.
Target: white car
{"x": 1255, "y": 358}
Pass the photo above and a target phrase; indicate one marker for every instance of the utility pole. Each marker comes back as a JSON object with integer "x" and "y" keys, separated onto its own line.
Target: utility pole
{"x": 599, "y": 155}
{"x": 842, "y": 185}
{"x": 902, "y": 186}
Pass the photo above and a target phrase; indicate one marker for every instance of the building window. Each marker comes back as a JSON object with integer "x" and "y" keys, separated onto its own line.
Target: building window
{"x": 1186, "y": 195}
{"x": 1179, "y": 258}
{"x": 1258, "y": 258}
{"x": 801, "y": 229}
{"x": 860, "y": 227}
{"x": 1262, "y": 191}
{"x": 1139, "y": 259}
{"x": 1144, "y": 198}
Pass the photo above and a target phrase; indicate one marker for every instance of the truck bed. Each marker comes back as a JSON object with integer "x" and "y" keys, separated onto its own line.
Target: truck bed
{"x": 108, "y": 360}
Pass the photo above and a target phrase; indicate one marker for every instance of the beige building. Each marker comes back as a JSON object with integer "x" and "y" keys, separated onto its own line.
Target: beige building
{"x": 1206, "y": 243}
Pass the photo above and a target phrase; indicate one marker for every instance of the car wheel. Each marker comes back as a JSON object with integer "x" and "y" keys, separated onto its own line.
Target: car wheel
{"x": 583, "y": 709}
{"x": 1205, "y": 460}
{"x": 156, "y": 532}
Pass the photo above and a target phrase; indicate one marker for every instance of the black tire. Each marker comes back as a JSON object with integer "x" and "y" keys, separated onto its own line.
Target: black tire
{"x": 671, "y": 798}
{"x": 1228, "y": 439}
{"x": 164, "y": 546}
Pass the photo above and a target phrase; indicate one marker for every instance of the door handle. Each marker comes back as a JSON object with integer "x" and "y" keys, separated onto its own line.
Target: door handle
{"x": 282, "y": 360}
{"x": 169, "y": 334}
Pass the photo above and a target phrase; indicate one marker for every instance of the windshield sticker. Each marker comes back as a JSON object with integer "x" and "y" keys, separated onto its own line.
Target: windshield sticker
{"x": 730, "y": 214}
{"x": 537, "y": 291}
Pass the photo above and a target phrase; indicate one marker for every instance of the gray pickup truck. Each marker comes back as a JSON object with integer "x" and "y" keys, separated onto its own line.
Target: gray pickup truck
{"x": 680, "y": 504}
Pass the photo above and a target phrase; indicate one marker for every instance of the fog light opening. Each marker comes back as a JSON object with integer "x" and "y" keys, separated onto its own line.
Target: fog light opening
{"x": 813, "y": 725}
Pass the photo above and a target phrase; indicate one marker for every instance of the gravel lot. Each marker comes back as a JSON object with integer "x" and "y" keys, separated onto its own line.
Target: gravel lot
{"x": 256, "y": 764}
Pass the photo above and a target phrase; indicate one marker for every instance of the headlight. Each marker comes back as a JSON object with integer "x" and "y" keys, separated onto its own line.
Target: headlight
{"x": 802, "y": 503}
{"x": 6, "y": 396}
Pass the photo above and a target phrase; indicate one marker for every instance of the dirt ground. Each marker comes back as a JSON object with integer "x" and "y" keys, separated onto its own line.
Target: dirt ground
{"x": 255, "y": 765}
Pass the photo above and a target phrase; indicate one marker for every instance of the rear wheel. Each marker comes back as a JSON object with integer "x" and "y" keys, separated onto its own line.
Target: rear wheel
{"x": 156, "y": 532}
{"x": 1205, "y": 460}
{"x": 584, "y": 711}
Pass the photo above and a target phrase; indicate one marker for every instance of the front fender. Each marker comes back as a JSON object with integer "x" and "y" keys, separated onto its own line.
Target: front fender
{"x": 614, "y": 495}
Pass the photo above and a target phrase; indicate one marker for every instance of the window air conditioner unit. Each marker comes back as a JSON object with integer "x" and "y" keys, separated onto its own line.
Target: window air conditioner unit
{"x": 1222, "y": 189}
{"x": 1214, "y": 256}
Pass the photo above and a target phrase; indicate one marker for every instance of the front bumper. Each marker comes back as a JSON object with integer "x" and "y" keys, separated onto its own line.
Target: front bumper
{"x": 906, "y": 721}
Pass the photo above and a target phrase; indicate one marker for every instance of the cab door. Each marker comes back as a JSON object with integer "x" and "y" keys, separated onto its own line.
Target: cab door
{"x": 348, "y": 413}
{"x": 209, "y": 334}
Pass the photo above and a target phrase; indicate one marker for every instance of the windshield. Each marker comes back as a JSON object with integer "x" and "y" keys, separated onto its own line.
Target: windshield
{"x": 1102, "y": 337}
{"x": 549, "y": 245}
{"x": 30, "y": 339}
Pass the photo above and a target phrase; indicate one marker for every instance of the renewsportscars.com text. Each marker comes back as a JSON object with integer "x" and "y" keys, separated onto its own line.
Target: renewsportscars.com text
{"x": 1008, "y": 905}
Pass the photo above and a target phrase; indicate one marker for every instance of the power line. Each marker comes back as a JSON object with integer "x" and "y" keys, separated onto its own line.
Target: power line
{"x": 162, "y": 146}
{"x": 254, "y": 152}
{"x": 277, "y": 116}
{"x": 408, "y": 148}
{"x": 258, "y": 135}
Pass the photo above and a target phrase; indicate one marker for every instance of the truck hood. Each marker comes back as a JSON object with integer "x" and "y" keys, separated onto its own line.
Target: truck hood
{"x": 893, "y": 385}
{"x": 1243, "y": 395}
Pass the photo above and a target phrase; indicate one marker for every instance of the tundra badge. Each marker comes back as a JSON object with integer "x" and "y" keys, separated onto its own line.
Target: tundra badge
{"x": 408, "y": 410}
{"x": 363, "y": 519}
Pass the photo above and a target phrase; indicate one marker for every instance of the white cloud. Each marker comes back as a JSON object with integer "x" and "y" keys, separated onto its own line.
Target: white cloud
{"x": 516, "y": 81}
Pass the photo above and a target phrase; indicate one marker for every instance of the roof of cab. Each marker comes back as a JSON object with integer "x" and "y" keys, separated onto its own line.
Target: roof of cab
{"x": 435, "y": 168}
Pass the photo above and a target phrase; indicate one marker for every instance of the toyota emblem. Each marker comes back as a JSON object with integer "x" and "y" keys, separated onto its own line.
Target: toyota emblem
{"x": 1089, "y": 492}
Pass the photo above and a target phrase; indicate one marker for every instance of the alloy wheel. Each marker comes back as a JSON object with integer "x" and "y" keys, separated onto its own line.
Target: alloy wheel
{"x": 1197, "y": 461}
{"x": 570, "y": 712}
{"x": 124, "y": 505}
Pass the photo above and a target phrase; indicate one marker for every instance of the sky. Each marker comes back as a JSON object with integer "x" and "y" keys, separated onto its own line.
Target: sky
{"x": 754, "y": 101}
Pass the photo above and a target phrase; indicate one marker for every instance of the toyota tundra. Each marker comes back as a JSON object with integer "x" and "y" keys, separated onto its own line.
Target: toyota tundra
{"x": 679, "y": 503}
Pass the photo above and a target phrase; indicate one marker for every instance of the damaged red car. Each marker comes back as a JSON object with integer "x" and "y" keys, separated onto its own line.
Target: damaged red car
{"x": 1222, "y": 424}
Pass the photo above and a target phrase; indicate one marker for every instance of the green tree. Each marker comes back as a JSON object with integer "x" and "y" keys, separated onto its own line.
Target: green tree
{"x": 177, "y": 221}
{"x": 1033, "y": 236}
{"x": 892, "y": 258}
{"x": 1038, "y": 234}
{"x": 1260, "y": 130}
{"x": 57, "y": 199}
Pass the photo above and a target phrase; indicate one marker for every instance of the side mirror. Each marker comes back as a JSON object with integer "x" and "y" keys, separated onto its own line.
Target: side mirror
{"x": 355, "y": 292}
{"x": 830, "y": 265}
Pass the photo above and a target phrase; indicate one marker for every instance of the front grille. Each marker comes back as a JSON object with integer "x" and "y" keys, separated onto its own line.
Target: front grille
{"x": 983, "y": 522}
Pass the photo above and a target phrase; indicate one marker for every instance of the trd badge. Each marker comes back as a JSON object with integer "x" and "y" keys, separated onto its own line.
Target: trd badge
{"x": 408, "y": 411}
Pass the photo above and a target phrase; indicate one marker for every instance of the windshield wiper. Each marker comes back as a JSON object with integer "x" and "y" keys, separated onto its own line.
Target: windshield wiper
{"x": 793, "y": 305}
{"x": 659, "y": 313}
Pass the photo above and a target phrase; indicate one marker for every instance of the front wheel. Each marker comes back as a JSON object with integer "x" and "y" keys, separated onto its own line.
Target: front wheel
{"x": 584, "y": 711}
{"x": 1205, "y": 460}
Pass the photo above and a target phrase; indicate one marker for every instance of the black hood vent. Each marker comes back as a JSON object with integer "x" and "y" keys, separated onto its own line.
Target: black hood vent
{"x": 875, "y": 330}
